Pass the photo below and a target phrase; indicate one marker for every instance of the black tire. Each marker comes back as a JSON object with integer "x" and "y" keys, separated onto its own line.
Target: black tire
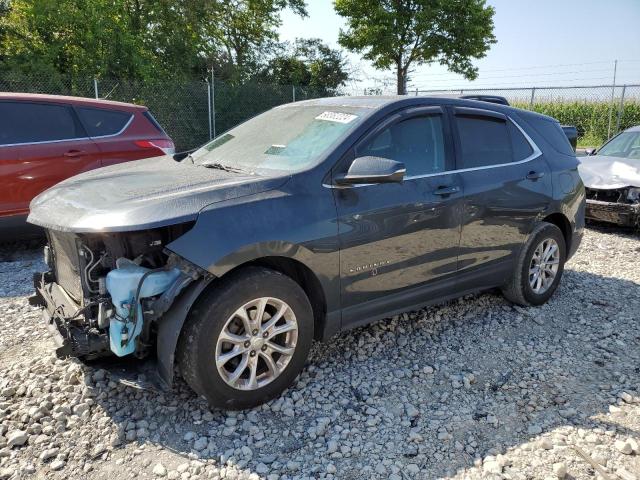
{"x": 518, "y": 290}
{"x": 197, "y": 344}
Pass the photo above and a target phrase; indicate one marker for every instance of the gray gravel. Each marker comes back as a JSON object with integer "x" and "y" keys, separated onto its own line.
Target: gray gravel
{"x": 473, "y": 389}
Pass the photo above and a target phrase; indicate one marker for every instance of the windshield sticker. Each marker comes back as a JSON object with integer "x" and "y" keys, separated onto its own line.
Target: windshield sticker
{"x": 338, "y": 117}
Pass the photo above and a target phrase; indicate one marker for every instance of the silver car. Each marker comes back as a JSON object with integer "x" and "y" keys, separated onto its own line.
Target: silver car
{"x": 611, "y": 176}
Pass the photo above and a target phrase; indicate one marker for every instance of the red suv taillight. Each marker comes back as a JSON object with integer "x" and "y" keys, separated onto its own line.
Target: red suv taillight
{"x": 165, "y": 146}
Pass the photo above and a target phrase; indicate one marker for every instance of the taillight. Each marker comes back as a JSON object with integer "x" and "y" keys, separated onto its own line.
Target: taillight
{"x": 165, "y": 146}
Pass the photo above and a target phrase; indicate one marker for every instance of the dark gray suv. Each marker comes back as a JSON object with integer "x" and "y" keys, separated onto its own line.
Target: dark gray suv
{"x": 312, "y": 218}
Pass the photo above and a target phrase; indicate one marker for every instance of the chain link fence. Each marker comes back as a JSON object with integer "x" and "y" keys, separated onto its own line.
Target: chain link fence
{"x": 598, "y": 112}
{"x": 191, "y": 112}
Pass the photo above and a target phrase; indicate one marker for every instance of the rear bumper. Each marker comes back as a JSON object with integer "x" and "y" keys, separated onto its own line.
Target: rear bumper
{"x": 71, "y": 337}
{"x": 619, "y": 213}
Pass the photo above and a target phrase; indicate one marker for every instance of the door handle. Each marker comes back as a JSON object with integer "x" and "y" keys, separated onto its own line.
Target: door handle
{"x": 444, "y": 191}
{"x": 535, "y": 175}
{"x": 75, "y": 153}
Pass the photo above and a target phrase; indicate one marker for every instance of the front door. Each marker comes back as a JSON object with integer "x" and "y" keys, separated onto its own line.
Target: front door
{"x": 399, "y": 241}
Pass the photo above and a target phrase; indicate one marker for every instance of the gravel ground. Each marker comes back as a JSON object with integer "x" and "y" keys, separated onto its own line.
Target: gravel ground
{"x": 473, "y": 389}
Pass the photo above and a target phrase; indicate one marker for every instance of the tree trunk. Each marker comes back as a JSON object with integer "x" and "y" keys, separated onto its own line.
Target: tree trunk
{"x": 401, "y": 79}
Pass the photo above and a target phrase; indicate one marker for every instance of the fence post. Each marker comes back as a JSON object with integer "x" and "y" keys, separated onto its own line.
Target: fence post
{"x": 613, "y": 93}
{"x": 95, "y": 87}
{"x": 621, "y": 109}
{"x": 213, "y": 103}
{"x": 533, "y": 93}
{"x": 293, "y": 90}
{"x": 209, "y": 108}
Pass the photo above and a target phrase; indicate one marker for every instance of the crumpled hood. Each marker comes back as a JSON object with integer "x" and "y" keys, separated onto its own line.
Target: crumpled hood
{"x": 602, "y": 172}
{"x": 138, "y": 195}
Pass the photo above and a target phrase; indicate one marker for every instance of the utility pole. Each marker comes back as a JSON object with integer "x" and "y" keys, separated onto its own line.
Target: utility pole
{"x": 613, "y": 92}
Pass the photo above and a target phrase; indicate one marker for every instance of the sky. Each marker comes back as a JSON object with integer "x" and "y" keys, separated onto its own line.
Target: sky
{"x": 539, "y": 43}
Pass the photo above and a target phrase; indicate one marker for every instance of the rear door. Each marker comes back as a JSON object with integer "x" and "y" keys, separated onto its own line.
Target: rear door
{"x": 399, "y": 241}
{"x": 507, "y": 186}
{"x": 109, "y": 128}
{"x": 123, "y": 135}
{"x": 42, "y": 144}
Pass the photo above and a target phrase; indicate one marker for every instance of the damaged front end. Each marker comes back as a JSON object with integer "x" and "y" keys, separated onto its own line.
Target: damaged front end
{"x": 619, "y": 205}
{"x": 104, "y": 293}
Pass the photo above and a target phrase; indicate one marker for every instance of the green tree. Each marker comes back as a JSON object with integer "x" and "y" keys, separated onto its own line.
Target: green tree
{"x": 241, "y": 33}
{"x": 402, "y": 33}
{"x": 138, "y": 39}
{"x": 307, "y": 63}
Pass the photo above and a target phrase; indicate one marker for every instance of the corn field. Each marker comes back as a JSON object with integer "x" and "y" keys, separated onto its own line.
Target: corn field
{"x": 599, "y": 112}
{"x": 590, "y": 118}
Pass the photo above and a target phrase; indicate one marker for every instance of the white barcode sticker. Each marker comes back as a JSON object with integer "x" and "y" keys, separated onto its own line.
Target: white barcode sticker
{"x": 337, "y": 117}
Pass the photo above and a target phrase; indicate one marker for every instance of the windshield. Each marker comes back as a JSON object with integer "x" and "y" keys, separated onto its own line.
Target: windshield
{"x": 625, "y": 145}
{"x": 288, "y": 138}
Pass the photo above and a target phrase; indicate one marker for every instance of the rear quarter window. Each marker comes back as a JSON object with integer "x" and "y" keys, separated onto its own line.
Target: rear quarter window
{"x": 553, "y": 134}
{"x": 520, "y": 145}
{"x": 153, "y": 122}
{"x": 100, "y": 122}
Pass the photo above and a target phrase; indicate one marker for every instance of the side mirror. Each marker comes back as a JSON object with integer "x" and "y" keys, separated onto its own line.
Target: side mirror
{"x": 372, "y": 170}
{"x": 590, "y": 151}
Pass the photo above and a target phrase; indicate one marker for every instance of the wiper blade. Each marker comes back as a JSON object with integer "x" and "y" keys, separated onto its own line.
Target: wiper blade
{"x": 220, "y": 166}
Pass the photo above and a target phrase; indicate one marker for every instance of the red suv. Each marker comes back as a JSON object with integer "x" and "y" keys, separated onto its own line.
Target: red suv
{"x": 46, "y": 138}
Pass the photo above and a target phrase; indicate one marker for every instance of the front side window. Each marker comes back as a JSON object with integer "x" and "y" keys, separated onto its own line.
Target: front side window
{"x": 100, "y": 122}
{"x": 24, "y": 122}
{"x": 484, "y": 141}
{"x": 417, "y": 142}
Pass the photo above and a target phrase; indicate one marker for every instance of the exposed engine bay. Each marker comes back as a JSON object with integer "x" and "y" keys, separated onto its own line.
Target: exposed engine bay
{"x": 104, "y": 292}
{"x": 617, "y": 205}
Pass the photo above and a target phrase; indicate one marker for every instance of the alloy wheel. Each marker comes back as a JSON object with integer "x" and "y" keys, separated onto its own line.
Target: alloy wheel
{"x": 256, "y": 343}
{"x": 544, "y": 265}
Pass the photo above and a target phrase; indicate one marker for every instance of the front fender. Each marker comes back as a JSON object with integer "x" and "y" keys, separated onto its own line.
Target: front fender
{"x": 170, "y": 326}
{"x": 299, "y": 225}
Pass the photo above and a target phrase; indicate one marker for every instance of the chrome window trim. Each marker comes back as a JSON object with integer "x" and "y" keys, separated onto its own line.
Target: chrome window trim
{"x": 74, "y": 139}
{"x": 46, "y": 141}
{"x": 535, "y": 154}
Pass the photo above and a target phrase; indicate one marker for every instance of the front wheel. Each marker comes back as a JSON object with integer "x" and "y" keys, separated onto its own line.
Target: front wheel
{"x": 247, "y": 339}
{"x": 539, "y": 267}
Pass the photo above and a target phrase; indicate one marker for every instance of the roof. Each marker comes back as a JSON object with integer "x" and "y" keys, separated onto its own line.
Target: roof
{"x": 635, "y": 128}
{"x": 376, "y": 102}
{"x": 68, "y": 99}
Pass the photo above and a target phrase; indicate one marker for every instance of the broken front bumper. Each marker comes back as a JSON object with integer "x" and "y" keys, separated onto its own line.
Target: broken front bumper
{"x": 619, "y": 213}
{"x": 71, "y": 338}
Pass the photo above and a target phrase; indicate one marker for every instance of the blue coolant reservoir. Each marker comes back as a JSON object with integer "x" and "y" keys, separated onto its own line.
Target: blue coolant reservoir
{"x": 122, "y": 284}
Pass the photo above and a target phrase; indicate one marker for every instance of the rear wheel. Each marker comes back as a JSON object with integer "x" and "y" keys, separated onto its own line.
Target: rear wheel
{"x": 539, "y": 267}
{"x": 247, "y": 339}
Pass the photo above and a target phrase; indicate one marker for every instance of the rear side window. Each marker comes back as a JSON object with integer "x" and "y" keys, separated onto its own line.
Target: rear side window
{"x": 520, "y": 145}
{"x": 552, "y": 132}
{"x": 417, "y": 142}
{"x": 484, "y": 141}
{"x": 100, "y": 122}
{"x": 24, "y": 122}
